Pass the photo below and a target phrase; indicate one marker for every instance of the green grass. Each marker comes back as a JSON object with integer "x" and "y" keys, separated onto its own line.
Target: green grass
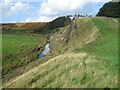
{"x": 16, "y": 46}
{"x": 66, "y": 72}
{"x": 46, "y": 32}
{"x": 106, "y": 45}
{"x": 91, "y": 65}
{"x": 0, "y": 50}
{"x": 0, "y": 43}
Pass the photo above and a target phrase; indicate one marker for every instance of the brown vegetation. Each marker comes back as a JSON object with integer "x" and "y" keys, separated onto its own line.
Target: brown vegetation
{"x": 25, "y": 26}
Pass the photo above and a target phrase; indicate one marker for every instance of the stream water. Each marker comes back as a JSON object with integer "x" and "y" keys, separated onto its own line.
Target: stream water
{"x": 45, "y": 51}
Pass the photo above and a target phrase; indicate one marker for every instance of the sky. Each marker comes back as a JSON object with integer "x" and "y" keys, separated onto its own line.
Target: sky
{"x": 12, "y": 11}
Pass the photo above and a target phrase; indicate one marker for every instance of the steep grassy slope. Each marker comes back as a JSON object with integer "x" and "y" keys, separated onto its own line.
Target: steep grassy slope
{"x": 87, "y": 57}
{"x": 0, "y": 41}
{"x": 106, "y": 46}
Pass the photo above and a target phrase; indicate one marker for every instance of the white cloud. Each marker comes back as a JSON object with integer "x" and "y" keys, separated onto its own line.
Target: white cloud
{"x": 56, "y": 0}
{"x": 49, "y": 9}
{"x": 39, "y": 19}
{"x": 45, "y": 18}
{"x": 10, "y": 9}
{"x": 24, "y": 0}
{"x": 65, "y": 7}
{"x": 6, "y": 1}
{"x": 56, "y": 7}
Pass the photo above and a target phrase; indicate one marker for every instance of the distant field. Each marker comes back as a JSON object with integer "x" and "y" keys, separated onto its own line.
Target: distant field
{"x": 25, "y": 26}
{"x": 16, "y": 45}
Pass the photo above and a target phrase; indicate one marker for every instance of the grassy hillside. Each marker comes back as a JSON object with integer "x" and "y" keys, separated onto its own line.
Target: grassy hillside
{"x": 16, "y": 46}
{"x": 87, "y": 57}
{"x": 0, "y": 50}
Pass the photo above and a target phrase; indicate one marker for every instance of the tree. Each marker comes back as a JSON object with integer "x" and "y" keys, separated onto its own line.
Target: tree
{"x": 75, "y": 15}
{"x": 69, "y": 15}
{"x": 79, "y": 15}
{"x": 59, "y": 22}
{"x": 110, "y": 9}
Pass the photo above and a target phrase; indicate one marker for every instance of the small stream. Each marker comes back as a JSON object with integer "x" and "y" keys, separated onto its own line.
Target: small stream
{"x": 45, "y": 51}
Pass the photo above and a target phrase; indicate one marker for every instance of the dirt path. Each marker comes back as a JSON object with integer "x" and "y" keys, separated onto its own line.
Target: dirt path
{"x": 73, "y": 26}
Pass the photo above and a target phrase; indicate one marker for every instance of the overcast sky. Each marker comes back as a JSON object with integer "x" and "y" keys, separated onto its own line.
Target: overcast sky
{"x": 45, "y": 10}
